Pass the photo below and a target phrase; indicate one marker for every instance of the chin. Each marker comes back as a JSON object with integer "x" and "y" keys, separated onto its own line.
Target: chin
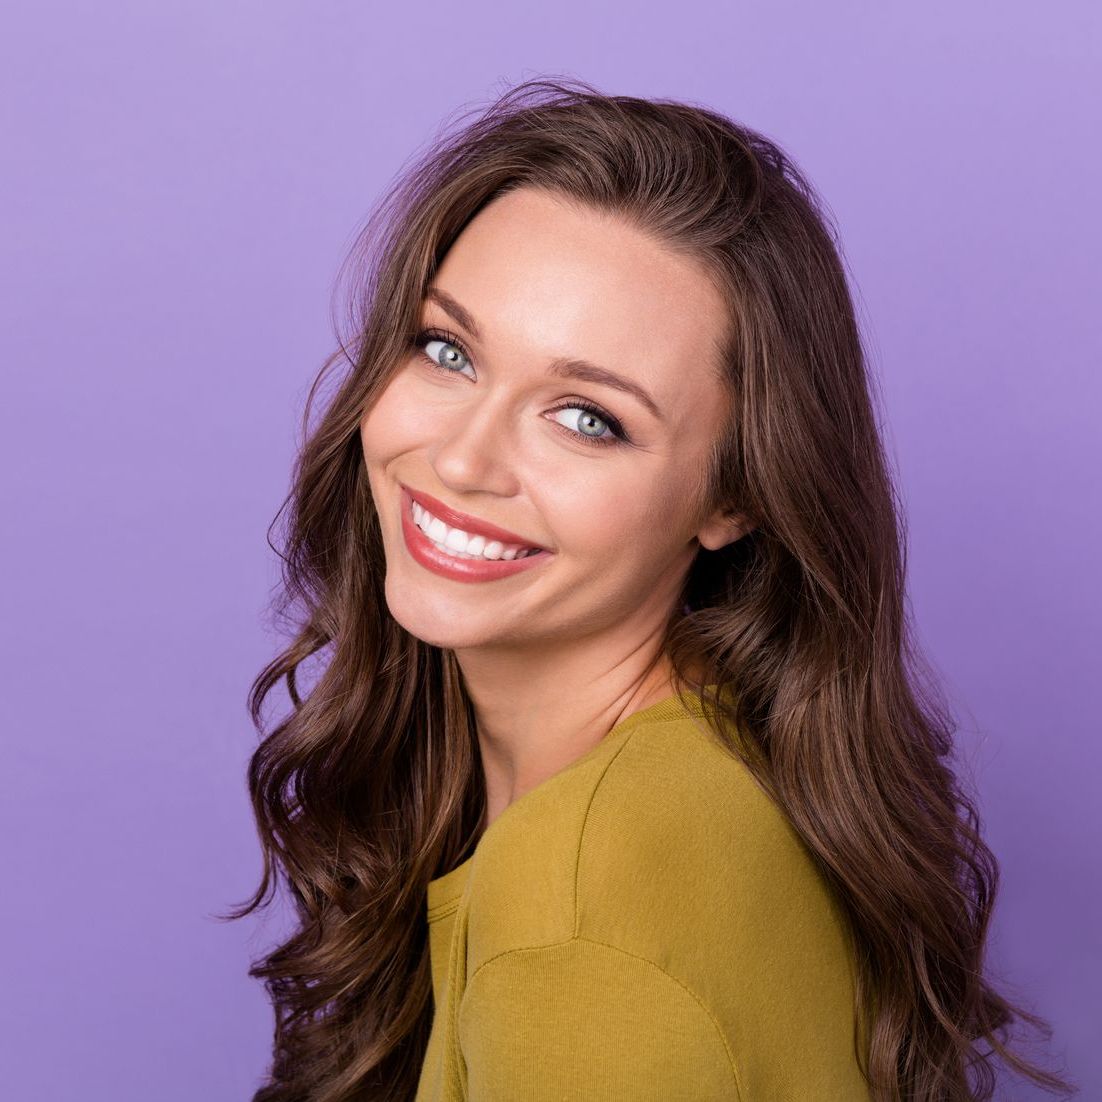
{"x": 446, "y": 627}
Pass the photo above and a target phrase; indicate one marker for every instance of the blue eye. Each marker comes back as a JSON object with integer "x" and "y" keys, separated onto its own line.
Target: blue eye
{"x": 429, "y": 337}
{"x": 591, "y": 410}
{"x": 590, "y": 413}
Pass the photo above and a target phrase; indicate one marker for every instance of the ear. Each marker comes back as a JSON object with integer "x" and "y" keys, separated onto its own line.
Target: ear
{"x": 724, "y": 526}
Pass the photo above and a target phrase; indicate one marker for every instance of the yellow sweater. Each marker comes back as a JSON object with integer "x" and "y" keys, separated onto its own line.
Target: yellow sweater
{"x": 644, "y": 925}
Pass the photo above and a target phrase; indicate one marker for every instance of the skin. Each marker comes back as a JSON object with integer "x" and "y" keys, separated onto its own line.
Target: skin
{"x": 553, "y": 658}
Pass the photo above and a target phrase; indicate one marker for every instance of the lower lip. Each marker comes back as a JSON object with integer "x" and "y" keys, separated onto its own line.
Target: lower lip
{"x": 449, "y": 566}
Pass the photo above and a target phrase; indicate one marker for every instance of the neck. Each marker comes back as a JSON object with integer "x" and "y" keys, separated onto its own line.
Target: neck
{"x": 535, "y": 718}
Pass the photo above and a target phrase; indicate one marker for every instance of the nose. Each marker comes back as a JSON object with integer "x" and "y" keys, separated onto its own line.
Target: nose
{"x": 475, "y": 450}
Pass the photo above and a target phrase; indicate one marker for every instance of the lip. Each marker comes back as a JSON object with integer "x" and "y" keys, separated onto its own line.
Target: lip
{"x": 455, "y": 519}
{"x": 423, "y": 551}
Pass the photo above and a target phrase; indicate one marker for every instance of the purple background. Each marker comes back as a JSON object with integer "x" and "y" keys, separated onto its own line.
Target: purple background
{"x": 180, "y": 184}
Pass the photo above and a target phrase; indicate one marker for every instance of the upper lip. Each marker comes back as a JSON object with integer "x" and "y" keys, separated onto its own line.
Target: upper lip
{"x": 455, "y": 519}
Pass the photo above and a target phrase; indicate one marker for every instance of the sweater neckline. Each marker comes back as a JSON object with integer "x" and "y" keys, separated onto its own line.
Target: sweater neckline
{"x": 447, "y": 888}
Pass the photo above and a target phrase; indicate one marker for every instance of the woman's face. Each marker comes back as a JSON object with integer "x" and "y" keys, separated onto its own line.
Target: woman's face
{"x": 488, "y": 427}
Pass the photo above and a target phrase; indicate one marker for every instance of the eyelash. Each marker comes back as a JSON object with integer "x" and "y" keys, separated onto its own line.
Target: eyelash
{"x": 619, "y": 435}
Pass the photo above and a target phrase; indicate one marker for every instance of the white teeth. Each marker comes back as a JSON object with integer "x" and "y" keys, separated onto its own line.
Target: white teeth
{"x": 462, "y": 544}
{"x": 454, "y": 540}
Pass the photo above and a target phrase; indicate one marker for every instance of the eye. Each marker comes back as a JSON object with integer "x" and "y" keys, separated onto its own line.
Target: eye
{"x": 590, "y": 413}
{"x": 433, "y": 343}
{"x": 436, "y": 342}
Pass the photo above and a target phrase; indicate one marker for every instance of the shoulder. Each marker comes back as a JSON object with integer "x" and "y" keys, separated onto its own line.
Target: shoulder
{"x": 678, "y": 809}
{"x": 549, "y": 1012}
{"x": 680, "y": 837}
{"x": 649, "y": 843}
{"x": 686, "y": 861}
{"x": 667, "y": 863}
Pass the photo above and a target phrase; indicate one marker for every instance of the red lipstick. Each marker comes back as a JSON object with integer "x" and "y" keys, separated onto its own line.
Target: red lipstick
{"x": 455, "y": 519}
{"x": 424, "y": 551}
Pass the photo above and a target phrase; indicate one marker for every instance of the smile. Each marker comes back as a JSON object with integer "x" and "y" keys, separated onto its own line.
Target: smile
{"x": 465, "y": 523}
{"x": 463, "y": 544}
{"x": 459, "y": 554}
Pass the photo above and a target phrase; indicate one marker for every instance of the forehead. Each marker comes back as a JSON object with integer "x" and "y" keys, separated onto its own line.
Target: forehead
{"x": 543, "y": 277}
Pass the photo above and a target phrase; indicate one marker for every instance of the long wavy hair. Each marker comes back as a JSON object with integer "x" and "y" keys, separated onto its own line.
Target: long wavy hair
{"x": 371, "y": 785}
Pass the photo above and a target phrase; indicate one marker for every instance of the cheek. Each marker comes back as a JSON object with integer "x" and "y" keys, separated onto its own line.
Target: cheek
{"x": 610, "y": 524}
{"x": 640, "y": 526}
{"x": 389, "y": 427}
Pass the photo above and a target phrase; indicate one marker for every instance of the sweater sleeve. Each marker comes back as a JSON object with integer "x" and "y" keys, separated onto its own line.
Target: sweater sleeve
{"x": 583, "y": 1020}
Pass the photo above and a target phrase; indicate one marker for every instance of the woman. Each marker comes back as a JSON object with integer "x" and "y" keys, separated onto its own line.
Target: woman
{"x": 617, "y": 782}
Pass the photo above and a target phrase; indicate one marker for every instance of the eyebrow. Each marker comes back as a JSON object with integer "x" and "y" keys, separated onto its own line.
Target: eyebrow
{"x": 564, "y": 367}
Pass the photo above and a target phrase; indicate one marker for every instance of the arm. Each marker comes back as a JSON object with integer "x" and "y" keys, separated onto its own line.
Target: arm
{"x": 582, "y": 1020}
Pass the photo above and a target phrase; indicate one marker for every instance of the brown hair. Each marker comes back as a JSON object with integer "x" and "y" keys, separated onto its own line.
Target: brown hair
{"x": 371, "y": 785}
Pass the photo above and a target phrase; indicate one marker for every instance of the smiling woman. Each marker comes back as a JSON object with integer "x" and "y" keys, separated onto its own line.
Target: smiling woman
{"x": 619, "y": 781}
{"x": 488, "y": 425}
